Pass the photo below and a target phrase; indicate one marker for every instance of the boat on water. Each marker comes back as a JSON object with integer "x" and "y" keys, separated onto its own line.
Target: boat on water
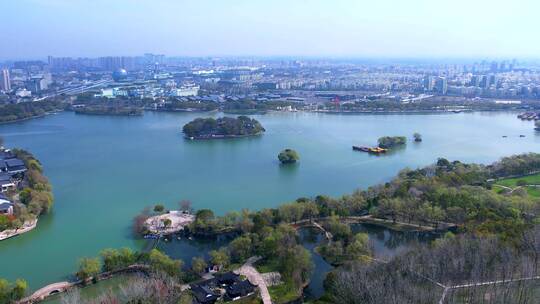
{"x": 375, "y": 150}
{"x": 363, "y": 149}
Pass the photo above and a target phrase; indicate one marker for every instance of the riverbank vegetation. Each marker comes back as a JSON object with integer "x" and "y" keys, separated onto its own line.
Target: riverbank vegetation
{"x": 33, "y": 196}
{"x": 26, "y": 110}
{"x": 288, "y": 156}
{"x": 11, "y": 292}
{"x": 223, "y": 127}
{"x": 113, "y": 260}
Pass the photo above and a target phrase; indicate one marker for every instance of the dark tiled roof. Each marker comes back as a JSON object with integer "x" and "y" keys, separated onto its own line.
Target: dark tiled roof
{"x": 14, "y": 162}
{"x": 227, "y": 277}
{"x": 242, "y": 288}
{"x": 203, "y": 294}
{"x": 6, "y": 155}
{"x": 5, "y": 206}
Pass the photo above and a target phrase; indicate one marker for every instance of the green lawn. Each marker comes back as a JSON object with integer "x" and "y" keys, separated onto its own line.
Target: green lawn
{"x": 265, "y": 266}
{"x": 283, "y": 293}
{"x": 530, "y": 180}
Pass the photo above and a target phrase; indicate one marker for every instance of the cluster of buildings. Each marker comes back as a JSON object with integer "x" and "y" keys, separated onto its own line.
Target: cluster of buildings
{"x": 158, "y": 76}
{"x": 224, "y": 286}
{"x": 11, "y": 174}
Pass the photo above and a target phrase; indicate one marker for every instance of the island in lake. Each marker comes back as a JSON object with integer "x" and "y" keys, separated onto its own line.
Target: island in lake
{"x": 223, "y": 127}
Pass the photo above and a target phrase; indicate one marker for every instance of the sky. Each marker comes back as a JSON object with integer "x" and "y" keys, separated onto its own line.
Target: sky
{"x": 318, "y": 28}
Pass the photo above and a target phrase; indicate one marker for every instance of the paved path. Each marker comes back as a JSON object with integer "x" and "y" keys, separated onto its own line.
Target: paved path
{"x": 255, "y": 278}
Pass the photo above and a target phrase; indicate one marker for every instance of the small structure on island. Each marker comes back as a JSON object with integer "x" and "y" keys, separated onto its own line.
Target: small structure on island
{"x": 288, "y": 156}
{"x": 168, "y": 223}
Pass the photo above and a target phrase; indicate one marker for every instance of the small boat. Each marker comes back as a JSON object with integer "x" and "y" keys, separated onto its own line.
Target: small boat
{"x": 363, "y": 149}
{"x": 504, "y": 136}
{"x": 521, "y": 135}
{"x": 377, "y": 150}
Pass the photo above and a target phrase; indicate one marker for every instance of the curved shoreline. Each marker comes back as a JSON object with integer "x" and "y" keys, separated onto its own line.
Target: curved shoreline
{"x": 9, "y": 233}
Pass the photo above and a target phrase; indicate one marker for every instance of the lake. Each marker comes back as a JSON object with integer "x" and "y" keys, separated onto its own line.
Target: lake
{"x": 105, "y": 170}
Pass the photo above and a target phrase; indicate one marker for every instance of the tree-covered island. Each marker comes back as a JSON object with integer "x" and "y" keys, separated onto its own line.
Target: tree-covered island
{"x": 288, "y": 156}
{"x": 223, "y": 127}
{"x": 389, "y": 142}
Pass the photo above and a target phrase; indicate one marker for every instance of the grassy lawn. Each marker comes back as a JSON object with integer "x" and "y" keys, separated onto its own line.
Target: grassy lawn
{"x": 283, "y": 293}
{"x": 512, "y": 183}
{"x": 267, "y": 266}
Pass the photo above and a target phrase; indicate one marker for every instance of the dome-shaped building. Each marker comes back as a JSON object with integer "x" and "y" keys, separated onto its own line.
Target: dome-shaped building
{"x": 119, "y": 75}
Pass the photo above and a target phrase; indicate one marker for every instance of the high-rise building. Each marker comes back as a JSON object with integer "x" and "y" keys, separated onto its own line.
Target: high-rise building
{"x": 5, "y": 81}
{"x": 475, "y": 81}
{"x": 442, "y": 85}
{"x": 428, "y": 83}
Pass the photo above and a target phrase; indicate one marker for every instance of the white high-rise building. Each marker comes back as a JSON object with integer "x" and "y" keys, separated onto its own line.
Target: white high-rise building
{"x": 5, "y": 81}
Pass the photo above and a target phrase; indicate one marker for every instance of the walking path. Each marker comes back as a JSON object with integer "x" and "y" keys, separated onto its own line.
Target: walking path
{"x": 255, "y": 278}
{"x": 27, "y": 226}
{"x": 478, "y": 284}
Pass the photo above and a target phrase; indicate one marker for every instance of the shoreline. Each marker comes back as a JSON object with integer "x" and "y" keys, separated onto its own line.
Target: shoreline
{"x": 27, "y": 227}
{"x": 32, "y": 117}
{"x": 221, "y": 136}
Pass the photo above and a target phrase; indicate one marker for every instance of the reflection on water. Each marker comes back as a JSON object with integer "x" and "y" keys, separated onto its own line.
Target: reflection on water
{"x": 385, "y": 243}
{"x": 181, "y": 247}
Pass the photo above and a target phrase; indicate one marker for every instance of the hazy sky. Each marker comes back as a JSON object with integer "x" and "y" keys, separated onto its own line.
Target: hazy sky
{"x": 361, "y": 28}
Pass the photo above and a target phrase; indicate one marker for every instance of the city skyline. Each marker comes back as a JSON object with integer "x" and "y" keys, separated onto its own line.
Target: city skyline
{"x": 341, "y": 29}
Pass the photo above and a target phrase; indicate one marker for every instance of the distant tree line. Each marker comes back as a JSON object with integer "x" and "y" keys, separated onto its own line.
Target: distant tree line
{"x": 24, "y": 110}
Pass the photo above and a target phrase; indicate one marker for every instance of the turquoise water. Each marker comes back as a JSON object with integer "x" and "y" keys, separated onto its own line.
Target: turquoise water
{"x": 105, "y": 170}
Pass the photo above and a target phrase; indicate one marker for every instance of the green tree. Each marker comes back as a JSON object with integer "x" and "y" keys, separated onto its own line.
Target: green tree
{"x": 288, "y": 156}
{"x": 359, "y": 247}
{"x": 159, "y": 208}
{"x": 219, "y": 257}
{"x": 240, "y": 248}
{"x": 88, "y": 267}
{"x": 198, "y": 264}
{"x": 160, "y": 262}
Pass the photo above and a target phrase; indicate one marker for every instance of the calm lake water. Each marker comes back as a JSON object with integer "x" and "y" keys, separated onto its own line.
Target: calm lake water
{"x": 105, "y": 170}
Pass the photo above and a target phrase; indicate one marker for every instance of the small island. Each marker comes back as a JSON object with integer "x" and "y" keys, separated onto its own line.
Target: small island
{"x": 389, "y": 142}
{"x": 223, "y": 127}
{"x": 288, "y": 156}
